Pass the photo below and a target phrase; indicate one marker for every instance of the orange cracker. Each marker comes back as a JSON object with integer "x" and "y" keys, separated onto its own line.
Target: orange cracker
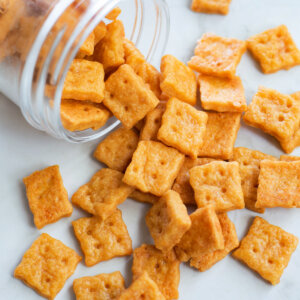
{"x": 139, "y": 125}
{"x": 100, "y": 32}
{"x": 222, "y": 94}
{"x": 182, "y": 183}
{"x": 217, "y": 56}
{"x": 289, "y": 158}
{"x": 47, "y": 196}
{"x": 274, "y": 49}
{"x": 87, "y": 48}
{"x": 218, "y": 184}
{"x": 183, "y": 127}
{"x": 206, "y": 261}
{"x": 178, "y": 80}
{"x": 168, "y": 221}
{"x": 266, "y": 249}
{"x": 84, "y": 81}
{"x": 143, "y": 288}
{"x": 220, "y": 135}
{"x": 103, "y": 193}
{"x": 153, "y": 168}
{"x": 152, "y": 123}
{"x": 117, "y": 149}
{"x": 211, "y": 6}
{"x": 249, "y": 161}
{"x": 274, "y": 113}
{"x": 204, "y": 236}
{"x": 143, "y": 197}
{"x": 46, "y": 266}
{"x": 110, "y": 51}
{"x": 99, "y": 287}
{"x": 279, "y": 184}
{"x": 128, "y": 97}
{"x": 82, "y": 115}
{"x": 162, "y": 268}
{"x": 102, "y": 240}
{"x": 112, "y": 15}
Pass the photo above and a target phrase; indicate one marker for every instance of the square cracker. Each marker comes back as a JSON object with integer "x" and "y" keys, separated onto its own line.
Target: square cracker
{"x": 82, "y": 115}
{"x": 218, "y": 184}
{"x": 289, "y": 158}
{"x": 178, "y": 80}
{"x": 117, "y": 148}
{"x": 266, "y": 249}
{"x": 152, "y": 123}
{"x": 99, "y": 287}
{"x": 183, "y": 127}
{"x": 211, "y": 6}
{"x": 168, "y": 221}
{"x": 222, "y": 94}
{"x": 84, "y": 81}
{"x": 47, "y": 196}
{"x": 128, "y": 97}
{"x": 87, "y": 48}
{"x": 162, "y": 268}
{"x": 182, "y": 183}
{"x": 143, "y": 197}
{"x": 103, "y": 193}
{"x": 153, "y": 168}
{"x": 217, "y": 56}
{"x": 220, "y": 135}
{"x": 279, "y": 184}
{"x": 102, "y": 240}
{"x": 274, "y": 113}
{"x": 274, "y": 49}
{"x": 46, "y": 265}
{"x": 249, "y": 162}
{"x": 143, "y": 288}
{"x": 110, "y": 51}
{"x": 204, "y": 236}
{"x": 206, "y": 261}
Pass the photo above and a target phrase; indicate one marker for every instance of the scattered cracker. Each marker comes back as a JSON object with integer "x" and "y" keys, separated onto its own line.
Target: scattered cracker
{"x": 274, "y": 113}
{"x": 100, "y": 32}
{"x": 47, "y": 196}
{"x": 46, "y": 265}
{"x": 279, "y": 184}
{"x": 162, "y": 268}
{"x": 87, "y": 48}
{"x": 168, "y": 221}
{"x": 128, "y": 97}
{"x": 211, "y": 6}
{"x": 102, "y": 240}
{"x": 217, "y": 56}
{"x": 274, "y": 49}
{"x": 182, "y": 183}
{"x": 289, "y": 158}
{"x": 218, "y": 184}
{"x": 110, "y": 51}
{"x": 220, "y": 135}
{"x": 103, "y": 193}
{"x": 99, "y": 287}
{"x": 153, "y": 168}
{"x": 222, "y": 94}
{"x": 183, "y": 127}
{"x": 205, "y": 262}
{"x": 143, "y": 288}
{"x": 79, "y": 115}
{"x": 113, "y": 15}
{"x": 178, "y": 80}
{"x": 143, "y": 197}
{"x": 117, "y": 149}
{"x": 204, "y": 236}
{"x": 266, "y": 249}
{"x": 249, "y": 162}
{"x": 84, "y": 81}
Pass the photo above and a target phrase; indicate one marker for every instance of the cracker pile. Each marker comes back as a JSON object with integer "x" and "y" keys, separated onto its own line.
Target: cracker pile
{"x": 170, "y": 154}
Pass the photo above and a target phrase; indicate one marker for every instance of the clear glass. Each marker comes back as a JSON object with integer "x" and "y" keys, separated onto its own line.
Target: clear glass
{"x": 36, "y": 55}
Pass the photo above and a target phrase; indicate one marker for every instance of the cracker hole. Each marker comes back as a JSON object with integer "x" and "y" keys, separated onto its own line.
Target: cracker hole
{"x": 92, "y": 290}
{"x": 270, "y": 261}
{"x": 255, "y": 185}
{"x": 86, "y": 109}
{"x": 222, "y": 173}
{"x": 89, "y": 232}
{"x": 47, "y": 280}
{"x": 143, "y": 296}
{"x": 157, "y": 266}
{"x": 255, "y": 250}
{"x": 263, "y": 109}
{"x": 119, "y": 240}
{"x": 64, "y": 261}
{"x": 205, "y": 173}
{"x": 174, "y": 128}
{"x": 110, "y": 223}
{"x": 126, "y": 108}
{"x": 224, "y": 190}
{"x": 162, "y": 162}
{"x": 208, "y": 197}
{"x": 111, "y": 95}
{"x": 135, "y": 169}
{"x": 125, "y": 81}
{"x": 47, "y": 248}
{"x": 282, "y": 244}
{"x": 156, "y": 121}
{"x": 289, "y": 104}
{"x": 154, "y": 176}
{"x": 281, "y": 118}
{"x": 245, "y": 163}
{"x": 107, "y": 286}
{"x": 98, "y": 246}
{"x": 178, "y": 114}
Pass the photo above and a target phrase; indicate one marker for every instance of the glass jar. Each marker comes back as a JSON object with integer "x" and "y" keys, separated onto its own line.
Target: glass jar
{"x": 41, "y": 38}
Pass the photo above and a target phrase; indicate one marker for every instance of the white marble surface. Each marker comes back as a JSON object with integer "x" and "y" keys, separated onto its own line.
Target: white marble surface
{"x": 24, "y": 149}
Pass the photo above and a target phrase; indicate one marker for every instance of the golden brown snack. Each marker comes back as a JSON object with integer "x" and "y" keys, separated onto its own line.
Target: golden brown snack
{"x": 168, "y": 221}
{"x": 266, "y": 249}
{"x": 47, "y": 196}
{"x": 99, "y": 287}
{"x": 211, "y": 6}
{"x": 143, "y": 197}
{"x": 100, "y": 32}
{"x": 112, "y": 15}
{"x": 102, "y": 240}
{"x": 289, "y": 158}
{"x": 162, "y": 268}
{"x": 153, "y": 168}
{"x": 46, "y": 265}
{"x": 87, "y": 48}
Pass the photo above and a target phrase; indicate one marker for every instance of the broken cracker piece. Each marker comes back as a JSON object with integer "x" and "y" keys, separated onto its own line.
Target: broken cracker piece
{"x": 112, "y": 15}
{"x": 211, "y": 6}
